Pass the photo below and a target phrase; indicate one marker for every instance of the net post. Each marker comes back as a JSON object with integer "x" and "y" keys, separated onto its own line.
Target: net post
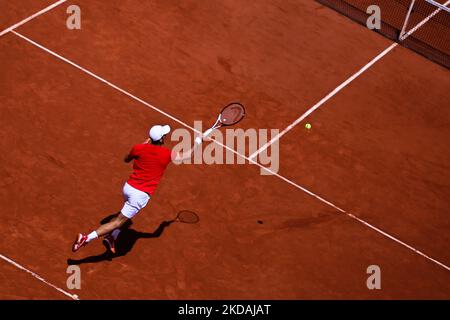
{"x": 435, "y": 12}
{"x": 405, "y": 24}
{"x": 440, "y": 5}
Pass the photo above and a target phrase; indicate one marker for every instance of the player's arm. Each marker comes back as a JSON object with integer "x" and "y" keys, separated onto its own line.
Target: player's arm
{"x": 133, "y": 153}
{"x": 128, "y": 158}
{"x": 181, "y": 156}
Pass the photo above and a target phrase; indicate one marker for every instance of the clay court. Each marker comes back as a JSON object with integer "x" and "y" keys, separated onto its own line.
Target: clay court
{"x": 368, "y": 184}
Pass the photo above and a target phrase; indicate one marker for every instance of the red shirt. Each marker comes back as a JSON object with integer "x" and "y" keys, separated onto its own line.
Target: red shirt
{"x": 150, "y": 161}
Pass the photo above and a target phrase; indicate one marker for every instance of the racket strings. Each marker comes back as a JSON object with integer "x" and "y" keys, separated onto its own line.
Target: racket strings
{"x": 232, "y": 114}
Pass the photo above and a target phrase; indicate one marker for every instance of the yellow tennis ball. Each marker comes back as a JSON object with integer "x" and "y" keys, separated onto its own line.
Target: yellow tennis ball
{"x": 307, "y": 126}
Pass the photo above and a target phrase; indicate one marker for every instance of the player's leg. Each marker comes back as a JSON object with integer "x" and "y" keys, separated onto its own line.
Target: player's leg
{"x": 110, "y": 240}
{"x": 106, "y": 228}
{"x": 135, "y": 200}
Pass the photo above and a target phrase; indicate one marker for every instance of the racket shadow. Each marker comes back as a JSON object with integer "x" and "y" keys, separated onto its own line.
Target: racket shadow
{"x": 125, "y": 241}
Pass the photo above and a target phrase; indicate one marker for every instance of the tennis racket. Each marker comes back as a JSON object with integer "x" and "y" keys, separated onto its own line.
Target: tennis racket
{"x": 230, "y": 115}
{"x": 186, "y": 216}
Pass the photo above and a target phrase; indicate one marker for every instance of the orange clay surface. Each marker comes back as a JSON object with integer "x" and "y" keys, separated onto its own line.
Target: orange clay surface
{"x": 379, "y": 149}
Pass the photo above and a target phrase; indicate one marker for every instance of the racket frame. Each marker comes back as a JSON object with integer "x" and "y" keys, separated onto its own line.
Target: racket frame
{"x": 178, "y": 217}
{"x": 218, "y": 124}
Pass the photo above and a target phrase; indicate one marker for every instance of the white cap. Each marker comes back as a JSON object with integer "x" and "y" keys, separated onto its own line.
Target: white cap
{"x": 157, "y": 132}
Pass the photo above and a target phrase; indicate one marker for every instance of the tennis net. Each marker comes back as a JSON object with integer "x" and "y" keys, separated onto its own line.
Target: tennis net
{"x": 420, "y": 25}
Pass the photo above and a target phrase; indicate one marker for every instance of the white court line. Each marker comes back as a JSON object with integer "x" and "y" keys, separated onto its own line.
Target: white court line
{"x": 321, "y": 102}
{"x": 398, "y": 241}
{"x": 232, "y": 150}
{"x": 72, "y": 296}
{"x": 343, "y": 85}
{"x": 440, "y": 8}
{"x": 167, "y": 115}
{"x": 37, "y": 14}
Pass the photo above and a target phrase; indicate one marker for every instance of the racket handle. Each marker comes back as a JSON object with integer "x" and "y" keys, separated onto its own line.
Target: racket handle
{"x": 207, "y": 132}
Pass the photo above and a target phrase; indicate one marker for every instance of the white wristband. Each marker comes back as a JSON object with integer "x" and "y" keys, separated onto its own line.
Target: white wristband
{"x": 198, "y": 140}
{"x": 208, "y": 132}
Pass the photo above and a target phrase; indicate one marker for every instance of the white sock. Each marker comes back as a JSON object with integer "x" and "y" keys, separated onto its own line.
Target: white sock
{"x": 115, "y": 233}
{"x": 91, "y": 236}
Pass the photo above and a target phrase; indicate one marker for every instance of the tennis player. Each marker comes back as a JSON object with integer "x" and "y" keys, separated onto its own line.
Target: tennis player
{"x": 150, "y": 161}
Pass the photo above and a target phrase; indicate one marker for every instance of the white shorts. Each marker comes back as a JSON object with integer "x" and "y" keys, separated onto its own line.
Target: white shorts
{"x": 135, "y": 200}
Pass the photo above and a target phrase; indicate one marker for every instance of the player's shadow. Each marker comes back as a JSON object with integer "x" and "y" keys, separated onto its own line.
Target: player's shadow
{"x": 124, "y": 243}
